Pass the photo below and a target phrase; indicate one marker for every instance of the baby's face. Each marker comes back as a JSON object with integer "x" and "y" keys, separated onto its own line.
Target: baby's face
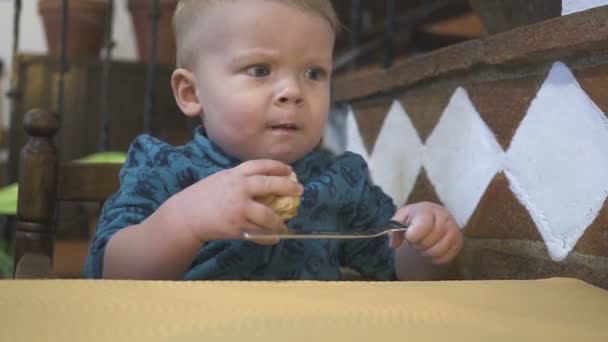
{"x": 263, "y": 78}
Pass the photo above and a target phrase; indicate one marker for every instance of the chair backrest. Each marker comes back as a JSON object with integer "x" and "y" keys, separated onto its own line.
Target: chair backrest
{"x": 43, "y": 182}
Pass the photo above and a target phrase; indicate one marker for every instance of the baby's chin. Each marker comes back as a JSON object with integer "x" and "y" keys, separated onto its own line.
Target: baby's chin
{"x": 285, "y": 156}
{"x": 283, "y": 152}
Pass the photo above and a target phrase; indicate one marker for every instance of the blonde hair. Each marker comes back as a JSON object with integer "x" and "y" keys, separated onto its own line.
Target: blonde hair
{"x": 188, "y": 12}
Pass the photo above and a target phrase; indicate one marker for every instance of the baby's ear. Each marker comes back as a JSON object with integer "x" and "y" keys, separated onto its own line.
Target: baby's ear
{"x": 183, "y": 84}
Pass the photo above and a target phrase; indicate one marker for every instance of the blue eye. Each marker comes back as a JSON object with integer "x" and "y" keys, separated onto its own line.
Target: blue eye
{"x": 315, "y": 74}
{"x": 258, "y": 70}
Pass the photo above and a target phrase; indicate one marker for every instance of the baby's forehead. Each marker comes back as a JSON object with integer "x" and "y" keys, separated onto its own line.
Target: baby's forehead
{"x": 222, "y": 23}
{"x": 191, "y": 18}
{"x": 296, "y": 21}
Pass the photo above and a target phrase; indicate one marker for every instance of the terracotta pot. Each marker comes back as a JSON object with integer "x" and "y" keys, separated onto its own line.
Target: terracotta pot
{"x": 502, "y": 15}
{"x": 140, "y": 16}
{"x": 85, "y": 26}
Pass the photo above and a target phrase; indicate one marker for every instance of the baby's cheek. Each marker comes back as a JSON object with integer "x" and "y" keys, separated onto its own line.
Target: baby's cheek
{"x": 241, "y": 114}
{"x": 239, "y": 128}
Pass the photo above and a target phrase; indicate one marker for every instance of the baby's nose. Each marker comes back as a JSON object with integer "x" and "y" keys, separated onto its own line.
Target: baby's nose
{"x": 289, "y": 90}
{"x": 291, "y": 94}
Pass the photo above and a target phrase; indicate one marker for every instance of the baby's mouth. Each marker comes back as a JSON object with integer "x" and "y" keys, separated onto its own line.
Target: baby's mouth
{"x": 284, "y": 127}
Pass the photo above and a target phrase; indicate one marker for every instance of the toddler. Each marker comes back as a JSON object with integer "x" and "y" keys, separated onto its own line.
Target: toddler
{"x": 257, "y": 73}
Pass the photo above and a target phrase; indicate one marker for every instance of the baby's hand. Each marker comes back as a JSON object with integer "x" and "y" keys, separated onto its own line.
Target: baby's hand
{"x": 221, "y": 205}
{"x": 432, "y": 231}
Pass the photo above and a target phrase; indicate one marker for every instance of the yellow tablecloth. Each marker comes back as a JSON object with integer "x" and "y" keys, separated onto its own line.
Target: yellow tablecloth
{"x": 80, "y": 310}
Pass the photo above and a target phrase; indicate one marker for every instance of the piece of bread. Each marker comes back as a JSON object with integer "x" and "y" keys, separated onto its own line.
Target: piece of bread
{"x": 285, "y": 206}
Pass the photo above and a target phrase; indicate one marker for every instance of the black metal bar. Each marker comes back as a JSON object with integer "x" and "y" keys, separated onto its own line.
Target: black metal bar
{"x": 104, "y": 114}
{"x": 63, "y": 64}
{"x": 389, "y": 48}
{"x": 151, "y": 77}
{"x": 16, "y": 28}
{"x": 14, "y": 95}
{"x": 348, "y": 58}
{"x": 356, "y": 18}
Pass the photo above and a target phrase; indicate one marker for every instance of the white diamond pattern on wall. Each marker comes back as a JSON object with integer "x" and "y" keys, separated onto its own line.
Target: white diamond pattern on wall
{"x": 573, "y": 6}
{"x": 397, "y": 156}
{"x": 462, "y": 156}
{"x": 557, "y": 162}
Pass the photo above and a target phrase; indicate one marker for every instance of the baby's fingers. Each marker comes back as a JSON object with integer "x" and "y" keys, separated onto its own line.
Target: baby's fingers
{"x": 264, "y": 167}
{"x": 258, "y": 185}
{"x": 254, "y": 229}
{"x": 446, "y": 249}
{"x": 421, "y": 226}
{"x": 265, "y": 221}
{"x": 449, "y": 255}
{"x": 264, "y": 218}
{"x": 396, "y": 239}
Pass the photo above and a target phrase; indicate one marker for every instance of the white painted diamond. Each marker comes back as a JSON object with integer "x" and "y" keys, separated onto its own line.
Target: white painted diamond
{"x": 397, "y": 155}
{"x": 462, "y": 156}
{"x": 354, "y": 141}
{"x": 557, "y": 162}
{"x": 573, "y": 6}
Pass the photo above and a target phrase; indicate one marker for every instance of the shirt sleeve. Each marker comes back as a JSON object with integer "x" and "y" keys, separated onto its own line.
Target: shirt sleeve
{"x": 142, "y": 190}
{"x": 370, "y": 208}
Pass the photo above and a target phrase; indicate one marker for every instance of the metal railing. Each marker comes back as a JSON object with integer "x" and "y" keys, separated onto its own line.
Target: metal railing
{"x": 388, "y": 35}
{"x": 63, "y": 65}
{"x": 357, "y": 48}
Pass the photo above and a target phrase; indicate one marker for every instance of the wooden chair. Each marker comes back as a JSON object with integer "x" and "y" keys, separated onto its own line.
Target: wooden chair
{"x": 44, "y": 181}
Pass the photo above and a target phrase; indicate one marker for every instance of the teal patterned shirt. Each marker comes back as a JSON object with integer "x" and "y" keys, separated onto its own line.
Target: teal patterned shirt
{"x": 338, "y": 195}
